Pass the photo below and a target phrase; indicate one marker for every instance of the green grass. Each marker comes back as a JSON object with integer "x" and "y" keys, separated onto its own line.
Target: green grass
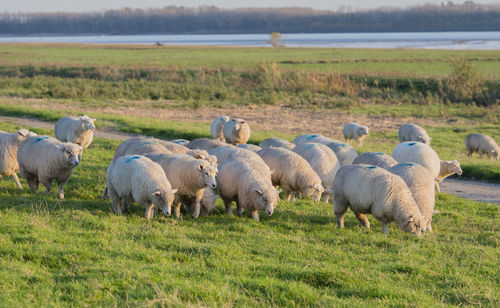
{"x": 76, "y": 252}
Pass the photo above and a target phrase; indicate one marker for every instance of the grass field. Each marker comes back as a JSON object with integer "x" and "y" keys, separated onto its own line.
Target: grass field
{"x": 76, "y": 252}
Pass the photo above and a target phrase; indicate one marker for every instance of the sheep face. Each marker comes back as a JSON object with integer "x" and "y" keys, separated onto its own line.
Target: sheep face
{"x": 494, "y": 154}
{"x": 315, "y": 191}
{"x": 455, "y": 167}
{"x": 414, "y": 225}
{"x": 363, "y": 131}
{"x": 238, "y": 123}
{"x": 163, "y": 201}
{"x": 72, "y": 154}
{"x": 87, "y": 123}
{"x": 267, "y": 200}
{"x": 209, "y": 173}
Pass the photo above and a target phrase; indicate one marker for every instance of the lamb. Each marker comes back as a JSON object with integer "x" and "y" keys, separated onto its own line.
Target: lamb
{"x": 277, "y": 143}
{"x": 322, "y": 160}
{"x": 217, "y": 126}
{"x": 9, "y": 143}
{"x": 345, "y": 153}
{"x": 250, "y": 147}
{"x": 378, "y": 159}
{"x": 354, "y": 131}
{"x": 421, "y": 184}
{"x": 189, "y": 176}
{"x": 372, "y": 190}
{"x": 292, "y": 172}
{"x": 137, "y": 178}
{"x": 77, "y": 130}
{"x": 413, "y": 132}
{"x": 312, "y": 138}
{"x": 239, "y": 181}
{"x": 420, "y": 153}
{"x": 227, "y": 153}
{"x": 43, "y": 159}
{"x": 482, "y": 144}
{"x": 448, "y": 167}
{"x": 204, "y": 144}
{"x": 236, "y": 131}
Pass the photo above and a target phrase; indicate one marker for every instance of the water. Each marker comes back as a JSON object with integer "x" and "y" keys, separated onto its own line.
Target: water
{"x": 426, "y": 40}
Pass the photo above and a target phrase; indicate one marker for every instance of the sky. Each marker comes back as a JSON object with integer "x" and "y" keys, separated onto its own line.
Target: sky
{"x": 97, "y": 5}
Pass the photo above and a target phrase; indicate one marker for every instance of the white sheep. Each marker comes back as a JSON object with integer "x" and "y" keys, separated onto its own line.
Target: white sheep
{"x": 217, "y": 126}
{"x": 137, "y": 178}
{"x": 238, "y": 181}
{"x": 227, "y": 153}
{"x": 189, "y": 176}
{"x": 43, "y": 159}
{"x": 236, "y": 131}
{"x": 345, "y": 153}
{"x": 367, "y": 189}
{"x": 448, "y": 167}
{"x": 421, "y": 184}
{"x": 9, "y": 143}
{"x": 378, "y": 159}
{"x": 204, "y": 144}
{"x": 183, "y": 142}
{"x": 482, "y": 144}
{"x": 140, "y": 146}
{"x": 277, "y": 143}
{"x": 250, "y": 147}
{"x": 292, "y": 172}
{"x": 354, "y": 131}
{"x": 313, "y": 138}
{"x": 323, "y": 161}
{"x": 420, "y": 153}
{"x": 413, "y": 132}
{"x": 79, "y": 130}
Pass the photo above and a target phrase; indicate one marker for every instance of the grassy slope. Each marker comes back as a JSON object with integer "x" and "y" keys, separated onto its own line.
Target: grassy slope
{"x": 76, "y": 252}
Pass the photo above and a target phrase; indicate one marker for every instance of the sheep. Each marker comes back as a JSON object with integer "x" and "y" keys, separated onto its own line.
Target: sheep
{"x": 227, "y": 153}
{"x": 189, "y": 176}
{"x": 183, "y": 142}
{"x": 43, "y": 159}
{"x": 447, "y": 168}
{"x": 250, "y": 147}
{"x": 421, "y": 184}
{"x": 204, "y": 144}
{"x": 137, "y": 178}
{"x": 413, "y": 132}
{"x": 378, "y": 159}
{"x": 420, "y": 153}
{"x": 202, "y": 154}
{"x": 239, "y": 181}
{"x": 372, "y": 190}
{"x": 354, "y": 131}
{"x": 312, "y": 138}
{"x": 77, "y": 130}
{"x": 322, "y": 160}
{"x": 345, "y": 153}
{"x": 482, "y": 144}
{"x": 217, "y": 126}
{"x": 277, "y": 142}
{"x": 9, "y": 143}
{"x": 140, "y": 146}
{"x": 236, "y": 131}
{"x": 208, "y": 202}
{"x": 292, "y": 173}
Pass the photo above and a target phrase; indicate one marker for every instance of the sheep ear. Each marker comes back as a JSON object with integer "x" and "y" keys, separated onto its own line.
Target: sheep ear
{"x": 62, "y": 147}
{"x": 259, "y": 191}
{"x": 410, "y": 219}
{"x": 156, "y": 193}
{"x": 174, "y": 191}
{"x": 23, "y": 132}
{"x": 200, "y": 167}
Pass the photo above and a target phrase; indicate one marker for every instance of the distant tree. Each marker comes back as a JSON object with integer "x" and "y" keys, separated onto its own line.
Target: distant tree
{"x": 275, "y": 40}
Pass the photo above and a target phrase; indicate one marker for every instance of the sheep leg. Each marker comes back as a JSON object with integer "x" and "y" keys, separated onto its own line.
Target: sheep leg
{"x": 240, "y": 209}
{"x": 229, "y": 207}
{"x": 126, "y": 204}
{"x": 32, "y": 182}
{"x": 115, "y": 201}
{"x": 47, "y": 183}
{"x": 436, "y": 184}
{"x": 363, "y": 220}
{"x": 104, "y": 193}
{"x": 325, "y": 197}
{"x": 16, "y": 179}
{"x": 255, "y": 215}
{"x": 290, "y": 196}
{"x": 429, "y": 227}
{"x": 177, "y": 209}
{"x": 60, "y": 184}
{"x": 339, "y": 208}
{"x": 384, "y": 228}
{"x": 197, "y": 203}
{"x": 149, "y": 211}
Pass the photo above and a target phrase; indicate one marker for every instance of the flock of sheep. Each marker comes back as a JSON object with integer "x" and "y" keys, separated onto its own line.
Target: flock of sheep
{"x": 182, "y": 174}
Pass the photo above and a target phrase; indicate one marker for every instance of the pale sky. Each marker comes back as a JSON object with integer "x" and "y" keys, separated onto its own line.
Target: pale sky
{"x": 97, "y": 5}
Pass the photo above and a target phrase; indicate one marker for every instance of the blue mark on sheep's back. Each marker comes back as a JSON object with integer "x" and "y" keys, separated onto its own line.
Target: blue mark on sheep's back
{"x": 371, "y": 167}
{"x": 40, "y": 139}
{"x": 342, "y": 145}
{"x": 131, "y": 158}
{"x": 411, "y": 144}
{"x": 380, "y": 153}
{"x": 148, "y": 142}
{"x": 408, "y": 164}
{"x": 311, "y": 137}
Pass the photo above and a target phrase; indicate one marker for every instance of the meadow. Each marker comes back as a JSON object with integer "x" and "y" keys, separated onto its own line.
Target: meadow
{"x": 76, "y": 252}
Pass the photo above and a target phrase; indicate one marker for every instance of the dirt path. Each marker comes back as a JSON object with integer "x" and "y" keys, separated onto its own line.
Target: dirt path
{"x": 474, "y": 190}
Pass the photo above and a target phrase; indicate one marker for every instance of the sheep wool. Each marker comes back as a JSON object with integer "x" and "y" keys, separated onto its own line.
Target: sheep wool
{"x": 217, "y": 126}
{"x": 378, "y": 159}
{"x": 313, "y": 138}
{"x": 79, "y": 130}
{"x": 277, "y": 143}
{"x": 420, "y": 153}
{"x": 250, "y": 147}
{"x": 236, "y": 131}
{"x": 413, "y": 132}
{"x": 482, "y": 144}
{"x": 204, "y": 144}
{"x": 354, "y": 131}
{"x": 9, "y": 144}
{"x": 345, "y": 153}
{"x": 228, "y": 153}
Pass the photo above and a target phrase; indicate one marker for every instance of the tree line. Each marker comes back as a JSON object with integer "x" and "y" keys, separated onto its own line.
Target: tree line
{"x": 209, "y": 19}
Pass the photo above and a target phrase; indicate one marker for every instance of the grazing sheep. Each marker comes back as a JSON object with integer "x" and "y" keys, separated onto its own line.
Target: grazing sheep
{"x": 448, "y": 167}
{"x": 420, "y": 153}
{"x": 9, "y": 143}
{"x": 77, "y": 130}
{"x": 43, "y": 159}
{"x": 236, "y": 131}
{"x": 421, "y": 184}
{"x": 277, "y": 143}
{"x": 169, "y": 145}
{"x": 378, "y": 159}
{"x": 250, "y": 147}
{"x": 183, "y": 142}
{"x": 227, "y": 153}
{"x": 239, "y": 181}
{"x": 208, "y": 202}
{"x": 312, "y": 138}
{"x": 345, "y": 153}
{"x": 204, "y": 144}
{"x": 413, "y": 132}
{"x": 292, "y": 172}
{"x": 137, "y": 178}
{"x": 217, "y": 126}
{"x": 322, "y": 160}
{"x": 189, "y": 176}
{"x": 482, "y": 144}
{"x": 140, "y": 146}
{"x": 372, "y": 190}
{"x": 354, "y": 131}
